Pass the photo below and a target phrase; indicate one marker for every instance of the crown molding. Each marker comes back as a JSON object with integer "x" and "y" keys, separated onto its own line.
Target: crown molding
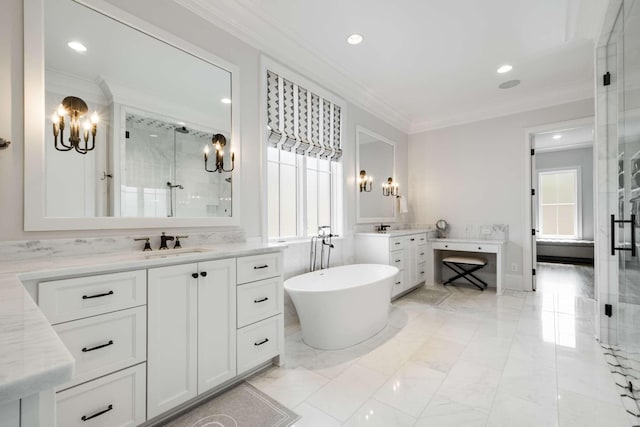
{"x": 573, "y": 93}
{"x": 256, "y": 31}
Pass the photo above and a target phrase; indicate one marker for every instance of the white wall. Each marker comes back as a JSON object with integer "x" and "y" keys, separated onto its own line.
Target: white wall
{"x": 583, "y": 158}
{"x": 170, "y": 16}
{"x": 474, "y": 173}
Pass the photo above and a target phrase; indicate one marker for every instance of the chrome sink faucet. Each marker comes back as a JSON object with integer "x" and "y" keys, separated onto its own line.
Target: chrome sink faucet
{"x": 382, "y": 228}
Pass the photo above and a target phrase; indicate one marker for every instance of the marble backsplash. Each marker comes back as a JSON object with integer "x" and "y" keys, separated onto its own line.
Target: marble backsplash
{"x": 478, "y": 231}
{"x": 34, "y": 249}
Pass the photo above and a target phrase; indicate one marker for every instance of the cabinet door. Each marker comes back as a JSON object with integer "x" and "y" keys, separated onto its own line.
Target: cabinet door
{"x": 172, "y": 337}
{"x": 411, "y": 261}
{"x": 216, "y": 323}
{"x": 10, "y": 414}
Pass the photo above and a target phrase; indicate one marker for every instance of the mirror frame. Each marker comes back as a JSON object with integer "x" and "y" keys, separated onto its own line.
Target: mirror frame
{"x": 363, "y": 220}
{"x": 34, "y": 128}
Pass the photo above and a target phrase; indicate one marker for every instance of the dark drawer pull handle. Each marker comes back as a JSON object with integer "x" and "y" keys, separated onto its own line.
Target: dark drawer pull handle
{"x": 412, "y": 239}
{"x": 86, "y": 350}
{"x": 194, "y": 275}
{"x": 260, "y": 300}
{"x": 422, "y": 272}
{"x": 258, "y": 267}
{"x": 203, "y": 274}
{"x": 479, "y": 248}
{"x": 446, "y": 246}
{"x": 397, "y": 283}
{"x": 396, "y": 243}
{"x": 397, "y": 260}
{"x": 421, "y": 253}
{"x": 97, "y": 295}
{"x": 266, "y": 340}
{"x": 97, "y": 414}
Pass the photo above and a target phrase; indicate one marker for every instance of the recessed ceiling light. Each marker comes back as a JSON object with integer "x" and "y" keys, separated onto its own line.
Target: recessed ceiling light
{"x": 181, "y": 123}
{"x": 509, "y": 84}
{"x": 77, "y": 46}
{"x": 153, "y": 135}
{"x": 355, "y": 39}
{"x": 225, "y": 101}
{"x": 505, "y": 69}
{"x": 557, "y": 136}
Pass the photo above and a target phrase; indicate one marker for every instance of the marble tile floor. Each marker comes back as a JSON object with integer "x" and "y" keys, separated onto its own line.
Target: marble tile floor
{"x": 472, "y": 359}
{"x": 565, "y": 278}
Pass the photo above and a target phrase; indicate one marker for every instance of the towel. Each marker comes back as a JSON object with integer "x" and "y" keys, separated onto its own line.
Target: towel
{"x": 404, "y": 205}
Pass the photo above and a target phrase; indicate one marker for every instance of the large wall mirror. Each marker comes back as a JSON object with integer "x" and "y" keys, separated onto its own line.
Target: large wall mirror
{"x": 376, "y": 158}
{"x": 118, "y": 134}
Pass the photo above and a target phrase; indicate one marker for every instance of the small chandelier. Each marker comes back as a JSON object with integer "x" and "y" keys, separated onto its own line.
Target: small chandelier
{"x": 365, "y": 182}
{"x": 389, "y": 188}
{"x": 219, "y": 141}
{"x": 75, "y": 108}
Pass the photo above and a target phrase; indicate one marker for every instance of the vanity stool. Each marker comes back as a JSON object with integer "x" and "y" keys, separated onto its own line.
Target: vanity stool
{"x": 464, "y": 267}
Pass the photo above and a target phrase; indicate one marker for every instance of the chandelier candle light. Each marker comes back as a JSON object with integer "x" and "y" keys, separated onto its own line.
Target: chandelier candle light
{"x": 219, "y": 141}
{"x": 75, "y": 108}
{"x": 389, "y": 188}
{"x": 365, "y": 182}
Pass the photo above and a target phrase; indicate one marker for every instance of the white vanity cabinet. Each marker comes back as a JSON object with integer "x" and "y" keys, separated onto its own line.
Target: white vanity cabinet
{"x": 403, "y": 249}
{"x": 191, "y": 329}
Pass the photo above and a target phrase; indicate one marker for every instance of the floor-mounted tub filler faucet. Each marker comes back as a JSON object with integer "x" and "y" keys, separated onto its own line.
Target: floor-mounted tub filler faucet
{"x": 324, "y": 239}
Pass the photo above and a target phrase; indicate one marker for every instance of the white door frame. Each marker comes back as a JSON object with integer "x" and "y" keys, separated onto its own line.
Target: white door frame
{"x": 527, "y": 238}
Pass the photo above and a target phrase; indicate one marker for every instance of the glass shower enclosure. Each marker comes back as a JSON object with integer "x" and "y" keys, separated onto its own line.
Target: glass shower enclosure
{"x": 618, "y": 205}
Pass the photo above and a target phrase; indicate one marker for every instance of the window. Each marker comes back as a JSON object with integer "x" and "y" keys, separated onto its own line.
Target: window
{"x": 304, "y": 173}
{"x": 558, "y": 204}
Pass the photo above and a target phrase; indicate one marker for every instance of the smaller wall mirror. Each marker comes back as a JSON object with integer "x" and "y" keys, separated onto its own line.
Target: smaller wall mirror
{"x": 376, "y": 157}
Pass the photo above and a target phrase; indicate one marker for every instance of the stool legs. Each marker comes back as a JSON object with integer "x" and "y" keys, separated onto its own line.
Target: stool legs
{"x": 466, "y": 274}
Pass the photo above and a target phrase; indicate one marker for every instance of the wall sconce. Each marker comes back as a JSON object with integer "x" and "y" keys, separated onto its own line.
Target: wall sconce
{"x": 389, "y": 189}
{"x": 76, "y": 108}
{"x": 365, "y": 182}
{"x": 219, "y": 141}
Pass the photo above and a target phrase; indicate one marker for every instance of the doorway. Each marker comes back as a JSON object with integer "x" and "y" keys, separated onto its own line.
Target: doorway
{"x": 562, "y": 210}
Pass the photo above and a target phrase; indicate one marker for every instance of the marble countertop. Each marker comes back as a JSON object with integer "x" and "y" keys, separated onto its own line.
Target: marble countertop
{"x": 32, "y": 356}
{"x": 395, "y": 233}
{"x": 473, "y": 241}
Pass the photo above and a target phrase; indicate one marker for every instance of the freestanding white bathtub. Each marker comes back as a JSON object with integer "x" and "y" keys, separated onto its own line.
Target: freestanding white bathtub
{"x": 341, "y": 306}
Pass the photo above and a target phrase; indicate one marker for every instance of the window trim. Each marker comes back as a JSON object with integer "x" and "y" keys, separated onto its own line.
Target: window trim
{"x": 548, "y": 171}
{"x": 338, "y": 214}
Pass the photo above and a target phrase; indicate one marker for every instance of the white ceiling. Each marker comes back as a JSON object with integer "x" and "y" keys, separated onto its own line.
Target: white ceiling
{"x": 578, "y": 137}
{"x": 426, "y": 63}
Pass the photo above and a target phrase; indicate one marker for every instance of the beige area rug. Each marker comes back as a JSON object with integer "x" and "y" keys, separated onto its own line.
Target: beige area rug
{"x": 242, "y": 406}
{"x": 428, "y": 295}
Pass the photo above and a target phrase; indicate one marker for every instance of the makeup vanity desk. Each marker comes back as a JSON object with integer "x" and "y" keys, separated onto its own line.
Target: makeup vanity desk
{"x": 496, "y": 247}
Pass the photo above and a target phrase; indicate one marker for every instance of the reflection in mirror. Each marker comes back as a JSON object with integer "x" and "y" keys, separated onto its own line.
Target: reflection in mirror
{"x": 376, "y": 157}
{"x": 156, "y": 109}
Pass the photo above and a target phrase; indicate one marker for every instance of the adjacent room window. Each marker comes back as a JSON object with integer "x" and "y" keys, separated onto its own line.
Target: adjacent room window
{"x": 558, "y": 204}
{"x": 304, "y": 172}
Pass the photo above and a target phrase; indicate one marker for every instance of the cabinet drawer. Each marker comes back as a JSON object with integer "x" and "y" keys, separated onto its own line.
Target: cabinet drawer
{"x": 259, "y": 342}
{"x": 398, "y": 284}
{"x": 396, "y": 259}
{"x": 421, "y": 238}
{"x": 258, "y": 267}
{"x": 396, "y": 243}
{"x": 105, "y": 343}
{"x": 421, "y": 253}
{"x": 466, "y": 247}
{"x": 421, "y": 272}
{"x": 117, "y": 400}
{"x": 71, "y": 299}
{"x": 259, "y": 300}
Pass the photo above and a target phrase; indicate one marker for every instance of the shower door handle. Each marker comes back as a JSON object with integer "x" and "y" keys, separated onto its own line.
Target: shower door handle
{"x": 631, "y": 221}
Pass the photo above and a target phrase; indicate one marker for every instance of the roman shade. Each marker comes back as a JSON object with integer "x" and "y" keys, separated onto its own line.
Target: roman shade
{"x": 301, "y": 121}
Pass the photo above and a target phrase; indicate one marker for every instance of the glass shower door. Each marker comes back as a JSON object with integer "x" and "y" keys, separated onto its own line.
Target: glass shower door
{"x": 628, "y": 88}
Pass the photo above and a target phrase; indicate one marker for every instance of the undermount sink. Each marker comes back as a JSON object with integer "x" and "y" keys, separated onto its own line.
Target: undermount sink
{"x": 175, "y": 252}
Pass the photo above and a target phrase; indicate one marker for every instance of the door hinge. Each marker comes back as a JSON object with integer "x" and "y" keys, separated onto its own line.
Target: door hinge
{"x": 606, "y": 79}
{"x": 533, "y": 272}
{"x": 608, "y": 310}
{"x": 533, "y": 152}
{"x": 533, "y": 231}
{"x": 533, "y": 191}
